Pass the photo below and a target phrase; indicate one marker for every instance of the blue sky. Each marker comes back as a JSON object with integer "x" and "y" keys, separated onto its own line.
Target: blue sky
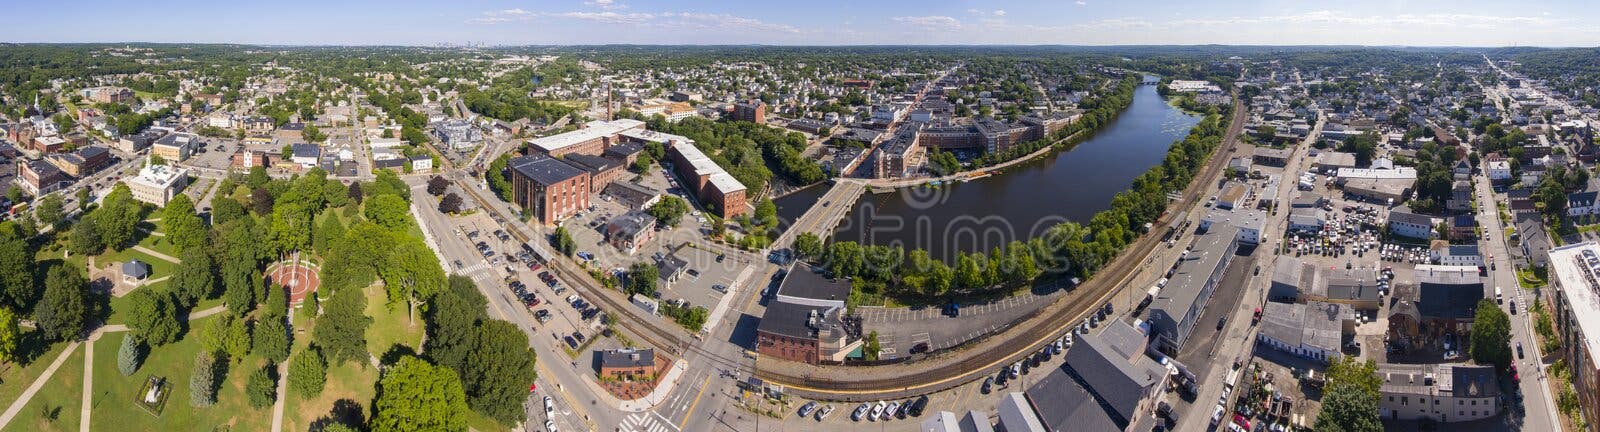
{"x": 810, "y": 22}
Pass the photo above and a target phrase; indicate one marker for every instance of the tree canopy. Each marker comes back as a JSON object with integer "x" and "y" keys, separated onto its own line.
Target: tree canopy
{"x": 415, "y": 396}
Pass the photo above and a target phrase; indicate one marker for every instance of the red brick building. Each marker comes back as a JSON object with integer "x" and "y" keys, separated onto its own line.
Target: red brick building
{"x": 628, "y": 364}
{"x": 550, "y": 188}
{"x": 805, "y": 322}
{"x": 751, "y": 111}
{"x": 712, "y": 184}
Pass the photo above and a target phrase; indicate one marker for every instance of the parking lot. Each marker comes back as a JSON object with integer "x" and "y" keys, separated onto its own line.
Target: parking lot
{"x": 548, "y": 302}
{"x": 902, "y": 329}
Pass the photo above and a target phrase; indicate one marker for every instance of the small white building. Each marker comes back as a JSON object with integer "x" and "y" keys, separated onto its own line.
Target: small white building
{"x": 1498, "y": 170}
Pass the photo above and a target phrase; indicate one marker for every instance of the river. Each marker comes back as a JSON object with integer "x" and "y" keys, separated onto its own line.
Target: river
{"x": 1020, "y": 202}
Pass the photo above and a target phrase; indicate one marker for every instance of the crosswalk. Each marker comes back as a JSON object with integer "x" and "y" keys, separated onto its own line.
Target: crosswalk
{"x": 647, "y": 422}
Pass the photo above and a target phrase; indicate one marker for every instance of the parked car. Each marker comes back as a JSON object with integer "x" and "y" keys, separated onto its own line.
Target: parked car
{"x": 805, "y": 410}
{"x": 824, "y": 412}
{"x": 861, "y": 411}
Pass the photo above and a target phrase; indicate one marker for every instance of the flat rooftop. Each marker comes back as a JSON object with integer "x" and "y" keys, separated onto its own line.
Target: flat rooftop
{"x": 591, "y": 131}
{"x": 1573, "y": 268}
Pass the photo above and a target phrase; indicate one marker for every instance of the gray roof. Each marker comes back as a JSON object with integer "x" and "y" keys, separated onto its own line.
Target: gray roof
{"x": 1348, "y": 288}
{"x": 1409, "y": 218}
{"x": 592, "y": 163}
{"x": 306, "y": 150}
{"x": 1462, "y": 250}
{"x": 1102, "y": 383}
{"x": 1183, "y": 290}
{"x": 628, "y": 358}
{"x": 1313, "y": 324}
{"x": 1017, "y": 415}
{"x": 136, "y": 269}
{"x": 806, "y": 283}
{"x": 1449, "y": 295}
{"x": 1535, "y": 244}
{"x": 544, "y": 170}
{"x": 1293, "y": 275}
{"x": 630, "y": 224}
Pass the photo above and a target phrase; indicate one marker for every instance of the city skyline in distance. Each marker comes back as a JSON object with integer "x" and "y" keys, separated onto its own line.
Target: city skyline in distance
{"x": 826, "y": 22}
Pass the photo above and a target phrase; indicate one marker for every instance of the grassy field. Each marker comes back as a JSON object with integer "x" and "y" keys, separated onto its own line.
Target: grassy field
{"x": 56, "y": 406}
{"x": 159, "y": 268}
{"x": 14, "y": 378}
{"x": 350, "y": 387}
{"x": 114, "y": 394}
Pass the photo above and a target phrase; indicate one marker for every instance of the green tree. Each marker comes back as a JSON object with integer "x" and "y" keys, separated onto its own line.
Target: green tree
{"x": 84, "y": 197}
{"x": 17, "y": 291}
{"x": 224, "y": 210}
{"x": 308, "y": 372}
{"x": 153, "y": 317}
{"x": 642, "y": 278}
{"x": 130, "y": 355}
{"x": 262, "y": 386}
{"x": 331, "y": 231}
{"x": 563, "y": 241}
{"x": 496, "y": 177}
{"x": 416, "y": 396}
{"x": 499, "y": 371}
{"x": 669, "y": 210}
{"x": 63, "y": 313}
{"x": 845, "y": 259}
{"x": 1491, "y": 335}
{"x": 271, "y": 339}
{"x": 1350, "y": 399}
{"x": 389, "y": 211}
{"x": 51, "y": 210}
{"x": 193, "y": 280}
{"x": 312, "y": 134}
{"x": 10, "y": 332}
{"x": 412, "y": 273}
{"x": 453, "y": 314}
{"x": 236, "y": 343}
{"x": 342, "y": 329}
{"x": 290, "y": 228}
{"x": 808, "y": 245}
{"x": 203, "y": 381}
{"x": 85, "y": 238}
{"x": 451, "y": 203}
{"x": 968, "y": 273}
{"x": 183, "y": 227}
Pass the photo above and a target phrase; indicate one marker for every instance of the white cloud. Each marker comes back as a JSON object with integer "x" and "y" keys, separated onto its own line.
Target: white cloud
{"x": 999, "y": 12}
{"x": 723, "y": 21}
{"x": 605, "y": 4}
{"x": 1081, "y": 3}
{"x": 500, "y": 16}
{"x": 700, "y": 22}
{"x": 928, "y": 21}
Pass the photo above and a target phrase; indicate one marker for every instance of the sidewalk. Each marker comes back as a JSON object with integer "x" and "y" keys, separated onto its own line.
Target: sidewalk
{"x": 160, "y": 255}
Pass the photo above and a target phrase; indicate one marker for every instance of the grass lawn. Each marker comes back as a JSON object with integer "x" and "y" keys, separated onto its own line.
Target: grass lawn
{"x": 14, "y": 378}
{"x": 159, "y": 268}
{"x": 390, "y": 327}
{"x": 56, "y": 405}
{"x": 350, "y": 386}
{"x": 120, "y": 306}
{"x": 114, "y": 394}
{"x": 482, "y": 423}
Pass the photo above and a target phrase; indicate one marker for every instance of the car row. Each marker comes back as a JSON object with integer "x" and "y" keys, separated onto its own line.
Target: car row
{"x": 881, "y": 410}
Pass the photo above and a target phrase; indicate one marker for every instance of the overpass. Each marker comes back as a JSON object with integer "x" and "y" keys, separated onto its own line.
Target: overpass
{"x": 825, "y": 213}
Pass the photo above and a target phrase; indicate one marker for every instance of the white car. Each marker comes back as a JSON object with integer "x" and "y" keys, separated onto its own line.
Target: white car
{"x": 549, "y": 406}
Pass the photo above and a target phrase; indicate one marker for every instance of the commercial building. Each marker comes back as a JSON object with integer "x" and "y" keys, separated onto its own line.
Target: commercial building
{"x": 85, "y": 161}
{"x": 1381, "y": 185}
{"x": 630, "y": 231}
{"x": 602, "y": 171}
{"x": 892, "y": 158}
{"x": 458, "y": 134}
{"x": 36, "y": 177}
{"x": 108, "y": 94}
{"x": 1313, "y": 330}
{"x": 591, "y": 140}
{"x": 1455, "y": 255}
{"x": 805, "y": 322}
{"x": 306, "y": 155}
{"x": 1173, "y": 314}
{"x": 157, "y": 184}
{"x": 1412, "y": 225}
{"x": 1292, "y": 278}
{"x": 1271, "y": 156}
{"x": 175, "y": 147}
{"x": 715, "y": 188}
{"x": 1107, "y": 383}
{"x": 750, "y": 111}
{"x": 628, "y": 364}
{"x": 549, "y": 188}
{"x": 1573, "y": 272}
{"x": 136, "y": 142}
{"x": 634, "y": 197}
{"x": 1017, "y": 414}
{"x": 1444, "y": 393}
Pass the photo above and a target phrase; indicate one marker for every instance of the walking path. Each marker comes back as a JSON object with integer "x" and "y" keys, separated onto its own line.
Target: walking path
{"x": 152, "y": 252}
{"x": 38, "y": 383}
{"x": 88, "y": 371}
{"x": 283, "y": 385}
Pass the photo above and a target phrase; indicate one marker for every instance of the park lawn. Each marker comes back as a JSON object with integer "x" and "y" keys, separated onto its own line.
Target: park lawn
{"x": 390, "y": 326}
{"x": 349, "y": 382}
{"x": 114, "y": 394}
{"x": 120, "y": 305}
{"x": 61, "y": 397}
{"x": 14, "y": 378}
{"x": 159, "y": 268}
